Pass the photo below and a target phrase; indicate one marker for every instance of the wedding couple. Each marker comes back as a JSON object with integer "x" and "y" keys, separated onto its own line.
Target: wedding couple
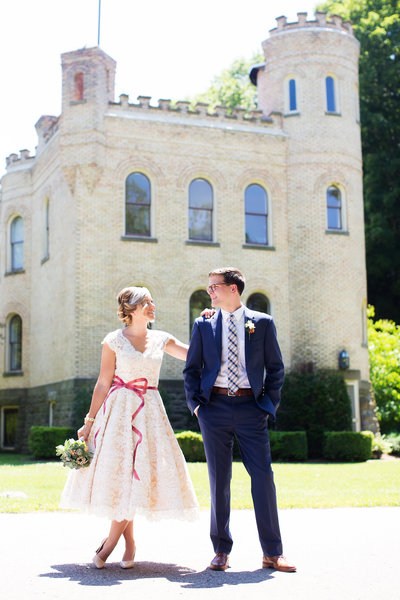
{"x": 233, "y": 376}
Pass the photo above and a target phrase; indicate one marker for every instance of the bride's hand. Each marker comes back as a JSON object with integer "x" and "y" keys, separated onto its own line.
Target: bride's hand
{"x": 84, "y": 431}
{"x": 207, "y": 313}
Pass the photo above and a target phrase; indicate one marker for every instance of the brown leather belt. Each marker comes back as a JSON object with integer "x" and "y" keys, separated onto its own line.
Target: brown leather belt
{"x": 226, "y": 392}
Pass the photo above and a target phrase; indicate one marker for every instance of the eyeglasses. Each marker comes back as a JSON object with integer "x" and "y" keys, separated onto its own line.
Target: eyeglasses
{"x": 213, "y": 287}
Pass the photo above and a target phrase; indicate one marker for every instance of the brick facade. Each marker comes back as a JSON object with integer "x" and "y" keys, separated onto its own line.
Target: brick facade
{"x": 314, "y": 278}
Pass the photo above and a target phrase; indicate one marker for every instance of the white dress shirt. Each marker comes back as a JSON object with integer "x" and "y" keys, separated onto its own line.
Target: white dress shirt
{"x": 222, "y": 378}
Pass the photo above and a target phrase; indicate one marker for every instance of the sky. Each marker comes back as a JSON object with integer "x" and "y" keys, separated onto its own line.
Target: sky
{"x": 163, "y": 48}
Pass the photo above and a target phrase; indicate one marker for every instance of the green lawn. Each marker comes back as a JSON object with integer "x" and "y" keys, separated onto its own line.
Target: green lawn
{"x": 299, "y": 485}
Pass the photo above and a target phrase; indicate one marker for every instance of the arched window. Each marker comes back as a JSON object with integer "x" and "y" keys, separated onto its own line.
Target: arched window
{"x": 78, "y": 87}
{"x": 17, "y": 244}
{"x": 200, "y": 210}
{"x": 137, "y": 205}
{"x": 256, "y": 215}
{"x": 334, "y": 207}
{"x": 15, "y": 343}
{"x": 198, "y": 301}
{"x": 259, "y": 302}
{"x": 292, "y": 95}
{"x": 330, "y": 94}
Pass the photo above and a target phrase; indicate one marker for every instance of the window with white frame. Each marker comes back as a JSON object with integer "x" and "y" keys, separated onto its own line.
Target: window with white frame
{"x": 331, "y": 94}
{"x": 256, "y": 215}
{"x": 137, "y": 205}
{"x": 292, "y": 96}
{"x": 14, "y": 339}
{"x": 17, "y": 244}
{"x": 334, "y": 208}
{"x": 201, "y": 204}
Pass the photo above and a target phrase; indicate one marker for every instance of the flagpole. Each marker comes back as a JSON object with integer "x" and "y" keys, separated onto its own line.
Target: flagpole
{"x": 98, "y": 25}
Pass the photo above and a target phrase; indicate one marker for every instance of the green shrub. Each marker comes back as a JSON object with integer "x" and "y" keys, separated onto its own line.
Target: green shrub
{"x": 394, "y": 440}
{"x": 191, "y": 444}
{"x": 43, "y": 440}
{"x": 285, "y": 445}
{"x": 315, "y": 402}
{"x": 288, "y": 445}
{"x": 347, "y": 446}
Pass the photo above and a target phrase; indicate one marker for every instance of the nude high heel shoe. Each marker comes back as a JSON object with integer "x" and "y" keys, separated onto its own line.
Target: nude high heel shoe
{"x": 97, "y": 561}
{"x": 128, "y": 564}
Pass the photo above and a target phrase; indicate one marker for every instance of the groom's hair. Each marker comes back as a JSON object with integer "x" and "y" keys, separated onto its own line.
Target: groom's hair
{"x": 231, "y": 276}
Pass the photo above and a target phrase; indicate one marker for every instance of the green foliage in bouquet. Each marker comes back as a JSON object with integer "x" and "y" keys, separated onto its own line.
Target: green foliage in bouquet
{"x": 74, "y": 454}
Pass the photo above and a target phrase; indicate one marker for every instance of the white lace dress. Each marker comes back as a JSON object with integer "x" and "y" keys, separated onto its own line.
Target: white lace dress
{"x": 137, "y": 464}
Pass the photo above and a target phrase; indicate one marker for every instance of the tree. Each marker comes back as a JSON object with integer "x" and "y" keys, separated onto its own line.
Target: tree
{"x": 376, "y": 25}
{"x": 232, "y": 88}
{"x": 384, "y": 359}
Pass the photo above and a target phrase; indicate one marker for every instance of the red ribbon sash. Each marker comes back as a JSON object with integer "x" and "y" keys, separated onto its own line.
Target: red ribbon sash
{"x": 140, "y": 387}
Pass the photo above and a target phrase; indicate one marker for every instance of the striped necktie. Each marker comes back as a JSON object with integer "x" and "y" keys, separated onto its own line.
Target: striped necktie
{"x": 233, "y": 356}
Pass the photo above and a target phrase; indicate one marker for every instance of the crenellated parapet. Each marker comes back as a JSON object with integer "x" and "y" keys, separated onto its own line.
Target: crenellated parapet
{"x": 321, "y": 20}
{"x": 22, "y": 157}
{"x": 201, "y": 110}
{"x": 46, "y": 127}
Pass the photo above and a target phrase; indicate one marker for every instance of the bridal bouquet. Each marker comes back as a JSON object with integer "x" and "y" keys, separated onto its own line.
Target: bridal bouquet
{"x": 74, "y": 454}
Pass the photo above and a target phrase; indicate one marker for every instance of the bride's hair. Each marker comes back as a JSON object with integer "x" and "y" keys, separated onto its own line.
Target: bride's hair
{"x": 128, "y": 300}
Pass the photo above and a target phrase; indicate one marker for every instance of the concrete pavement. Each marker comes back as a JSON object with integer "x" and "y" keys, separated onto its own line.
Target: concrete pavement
{"x": 341, "y": 553}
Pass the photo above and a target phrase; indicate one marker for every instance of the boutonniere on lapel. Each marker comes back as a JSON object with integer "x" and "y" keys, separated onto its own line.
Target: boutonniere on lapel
{"x": 250, "y": 327}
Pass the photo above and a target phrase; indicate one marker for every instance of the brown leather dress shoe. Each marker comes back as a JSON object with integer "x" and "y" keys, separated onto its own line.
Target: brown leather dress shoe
{"x": 220, "y": 562}
{"x": 279, "y": 563}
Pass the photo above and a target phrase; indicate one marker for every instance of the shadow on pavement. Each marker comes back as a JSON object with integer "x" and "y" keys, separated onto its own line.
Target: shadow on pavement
{"x": 112, "y": 575}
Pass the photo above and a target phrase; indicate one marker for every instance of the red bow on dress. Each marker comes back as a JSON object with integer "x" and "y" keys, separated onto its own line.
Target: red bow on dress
{"x": 140, "y": 387}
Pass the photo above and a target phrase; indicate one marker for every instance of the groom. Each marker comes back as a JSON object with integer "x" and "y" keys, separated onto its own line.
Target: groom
{"x": 233, "y": 377}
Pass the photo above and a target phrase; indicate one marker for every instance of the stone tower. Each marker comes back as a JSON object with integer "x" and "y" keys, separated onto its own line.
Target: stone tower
{"x": 310, "y": 76}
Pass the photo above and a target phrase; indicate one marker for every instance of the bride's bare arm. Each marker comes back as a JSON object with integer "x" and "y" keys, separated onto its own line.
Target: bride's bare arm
{"x": 176, "y": 349}
{"x": 103, "y": 384}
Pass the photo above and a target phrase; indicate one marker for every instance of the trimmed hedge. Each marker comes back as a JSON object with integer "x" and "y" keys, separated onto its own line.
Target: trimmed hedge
{"x": 288, "y": 445}
{"x": 347, "y": 446}
{"x": 285, "y": 445}
{"x": 314, "y": 401}
{"x": 191, "y": 444}
{"x": 42, "y": 440}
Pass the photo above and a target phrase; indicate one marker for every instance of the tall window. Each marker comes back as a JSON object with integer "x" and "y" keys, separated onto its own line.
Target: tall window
{"x": 292, "y": 95}
{"x": 334, "y": 207}
{"x": 15, "y": 343}
{"x": 200, "y": 210}
{"x": 137, "y": 205}
{"x": 256, "y": 215}
{"x": 17, "y": 244}
{"x": 330, "y": 94}
{"x": 198, "y": 301}
{"x": 78, "y": 86}
{"x": 9, "y": 422}
{"x": 259, "y": 302}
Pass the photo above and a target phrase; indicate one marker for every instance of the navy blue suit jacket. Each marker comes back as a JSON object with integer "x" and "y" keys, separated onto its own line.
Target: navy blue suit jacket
{"x": 264, "y": 364}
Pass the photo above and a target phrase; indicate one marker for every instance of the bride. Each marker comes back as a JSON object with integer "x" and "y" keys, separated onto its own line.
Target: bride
{"x": 137, "y": 464}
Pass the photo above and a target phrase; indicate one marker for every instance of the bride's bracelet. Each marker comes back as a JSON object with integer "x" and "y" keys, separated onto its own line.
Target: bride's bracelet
{"x": 88, "y": 419}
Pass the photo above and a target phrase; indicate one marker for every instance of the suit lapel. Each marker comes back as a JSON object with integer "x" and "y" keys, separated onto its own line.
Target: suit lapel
{"x": 247, "y": 337}
{"x": 216, "y": 324}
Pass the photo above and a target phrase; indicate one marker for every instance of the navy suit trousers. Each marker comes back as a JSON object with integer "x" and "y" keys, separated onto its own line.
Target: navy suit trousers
{"x": 220, "y": 420}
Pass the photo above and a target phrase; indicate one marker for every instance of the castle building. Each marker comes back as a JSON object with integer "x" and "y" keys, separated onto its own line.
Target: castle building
{"x": 122, "y": 193}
